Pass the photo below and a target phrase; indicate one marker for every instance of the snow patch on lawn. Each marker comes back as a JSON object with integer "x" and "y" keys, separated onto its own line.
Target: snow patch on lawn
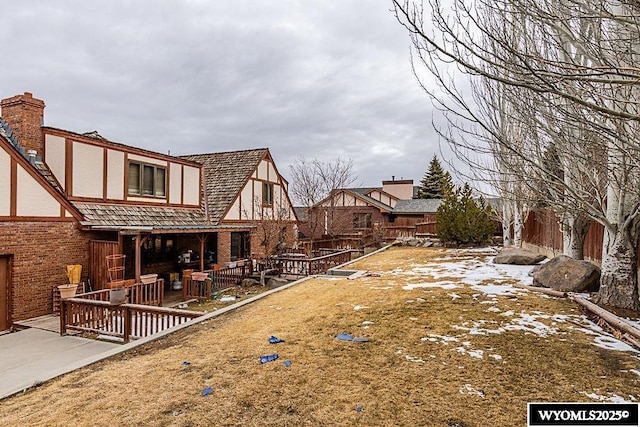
{"x": 612, "y": 397}
{"x": 440, "y": 339}
{"x": 469, "y": 389}
{"x": 444, "y": 285}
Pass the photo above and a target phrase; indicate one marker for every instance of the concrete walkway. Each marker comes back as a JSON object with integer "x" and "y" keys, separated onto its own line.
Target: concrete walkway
{"x": 33, "y": 356}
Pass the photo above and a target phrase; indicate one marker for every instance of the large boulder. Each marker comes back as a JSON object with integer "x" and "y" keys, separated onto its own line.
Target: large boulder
{"x": 518, "y": 256}
{"x": 566, "y": 274}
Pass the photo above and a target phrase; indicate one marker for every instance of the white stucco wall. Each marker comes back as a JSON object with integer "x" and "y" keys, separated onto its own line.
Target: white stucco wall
{"x": 145, "y": 159}
{"x": 175, "y": 183}
{"x": 273, "y": 176}
{"x": 5, "y": 183}
{"x": 88, "y": 170}
{"x": 263, "y": 167}
{"x": 55, "y": 156}
{"x": 191, "y": 185}
{"x": 115, "y": 175}
{"x": 247, "y": 209}
{"x": 32, "y": 199}
{"x": 234, "y": 212}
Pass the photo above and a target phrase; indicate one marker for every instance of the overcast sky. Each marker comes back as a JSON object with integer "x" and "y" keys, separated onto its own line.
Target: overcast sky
{"x": 319, "y": 79}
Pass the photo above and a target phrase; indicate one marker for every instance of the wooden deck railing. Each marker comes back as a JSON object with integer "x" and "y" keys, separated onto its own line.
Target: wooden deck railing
{"x": 124, "y": 321}
{"x": 218, "y": 279}
{"x": 308, "y": 266}
{"x": 139, "y": 293}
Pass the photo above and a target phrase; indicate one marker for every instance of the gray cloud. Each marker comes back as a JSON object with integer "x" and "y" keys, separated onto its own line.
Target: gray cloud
{"x": 320, "y": 79}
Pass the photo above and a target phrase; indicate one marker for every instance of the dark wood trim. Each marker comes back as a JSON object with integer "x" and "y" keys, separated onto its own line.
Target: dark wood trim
{"x": 13, "y": 204}
{"x": 105, "y": 175}
{"x": 182, "y": 186}
{"x": 9, "y": 291}
{"x": 15, "y": 218}
{"x": 253, "y": 199}
{"x": 118, "y": 146}
{"x": 68, "y": 167}
{"x": 167, "y": 183}
{"x": 132, "y": 202}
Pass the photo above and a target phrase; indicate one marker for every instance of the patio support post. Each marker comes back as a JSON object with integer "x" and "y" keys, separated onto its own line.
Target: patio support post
{"x": 138, "y": 257}
{"x": 63, "y": 308}
{"x": 203, "y": 238}
{"x": 127, "y": 324}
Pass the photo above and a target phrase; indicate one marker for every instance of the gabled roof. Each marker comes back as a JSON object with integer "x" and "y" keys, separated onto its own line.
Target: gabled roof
{"x": 359, "y": 194}
{"x": 225, "y": 175}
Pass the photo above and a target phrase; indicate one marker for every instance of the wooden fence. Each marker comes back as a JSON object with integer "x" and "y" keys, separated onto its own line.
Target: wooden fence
{"x": 543, "y": 229}
{"x": 123, "y": 321}
{"x": 138, "y": 293}
{"x": 218, "y": 279}
{"x": 298, "y": 266}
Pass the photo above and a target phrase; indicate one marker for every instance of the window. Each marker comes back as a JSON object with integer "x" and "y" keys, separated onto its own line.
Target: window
{"x": 147, "y": 180}
{"x": 361, "y": 220}
{"x": 267, "y": 194}
{"x": 240, "y": 245}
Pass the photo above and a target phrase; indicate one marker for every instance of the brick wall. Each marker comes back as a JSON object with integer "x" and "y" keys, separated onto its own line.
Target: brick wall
{"x": 224, "y": 247}
{"x": 40, "y": 252}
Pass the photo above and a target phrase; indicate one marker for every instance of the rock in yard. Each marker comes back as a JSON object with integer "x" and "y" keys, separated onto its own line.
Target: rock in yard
{"x": 566, "y": 274}
{"x": 518, "y": 256}
{"x": 276, "y": 282}
{"x": 249, "y": 282}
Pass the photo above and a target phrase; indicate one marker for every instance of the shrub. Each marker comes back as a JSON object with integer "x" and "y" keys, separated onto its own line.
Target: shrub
{"x": 463, "y": 220}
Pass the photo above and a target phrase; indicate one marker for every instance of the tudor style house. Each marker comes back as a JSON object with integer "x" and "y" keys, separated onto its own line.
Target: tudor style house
{"x": 357, "y": 217}
{"x": 68, "y": 198}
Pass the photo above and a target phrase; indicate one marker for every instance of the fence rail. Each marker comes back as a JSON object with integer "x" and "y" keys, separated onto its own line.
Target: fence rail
{"x": 124, "y": 321}
{"x": 217, "y": 279}
{"x": 297, "y": 266}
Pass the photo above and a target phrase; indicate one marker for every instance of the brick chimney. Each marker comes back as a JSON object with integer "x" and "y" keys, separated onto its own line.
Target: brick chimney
{"x": 25, "y": 116}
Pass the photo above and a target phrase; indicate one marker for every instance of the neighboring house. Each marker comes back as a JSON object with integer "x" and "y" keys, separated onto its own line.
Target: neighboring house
{"x": 69, "y": 198}
{"x": 244, "y": 188}
{"x": 360, "y": 216}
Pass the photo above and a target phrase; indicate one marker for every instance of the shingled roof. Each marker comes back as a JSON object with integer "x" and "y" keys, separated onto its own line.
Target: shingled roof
{"x": 226, "y": 174}
{"x": 118, "y": 216}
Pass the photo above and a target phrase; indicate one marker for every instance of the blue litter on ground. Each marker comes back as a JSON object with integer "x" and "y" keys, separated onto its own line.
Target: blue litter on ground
{"x": 274, "y": 340}
{"x": 346, "y": 337}
{"x": 185, "y": 363}
{"x": 268, "y": 358}
{"x": 359, "y": 409}
{"x": 206, "y": 391}
{"x": 287, "y": 363}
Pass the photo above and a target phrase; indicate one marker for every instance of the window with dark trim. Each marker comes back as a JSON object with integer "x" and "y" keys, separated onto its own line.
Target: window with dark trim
{"x": 267, "y": 194}
{"x": 361, "y": 220}
{"x": 147, "y": 180}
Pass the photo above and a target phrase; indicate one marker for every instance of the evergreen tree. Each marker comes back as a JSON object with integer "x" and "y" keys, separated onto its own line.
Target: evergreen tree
{"x": 436, "y": 181}
{"x": 463, "y": 220}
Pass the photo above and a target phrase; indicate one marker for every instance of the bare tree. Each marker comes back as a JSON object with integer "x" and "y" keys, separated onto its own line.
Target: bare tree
{"x": 312, "y": 182}
{"x": 575, "y": 62}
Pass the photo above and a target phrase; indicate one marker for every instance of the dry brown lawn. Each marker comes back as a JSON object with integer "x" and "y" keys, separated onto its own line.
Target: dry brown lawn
{"x": 405, "y": 375}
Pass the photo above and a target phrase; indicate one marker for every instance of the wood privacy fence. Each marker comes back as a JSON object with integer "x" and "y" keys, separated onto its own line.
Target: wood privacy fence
{"x": 543, "y": 229}
{"x": 98, "y": 252}
{"x": 298, "y": 266}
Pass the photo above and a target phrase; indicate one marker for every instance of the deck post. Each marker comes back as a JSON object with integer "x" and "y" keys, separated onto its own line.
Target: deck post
{"x": 127, "y": 323}
{"x": 63, "y": 307}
